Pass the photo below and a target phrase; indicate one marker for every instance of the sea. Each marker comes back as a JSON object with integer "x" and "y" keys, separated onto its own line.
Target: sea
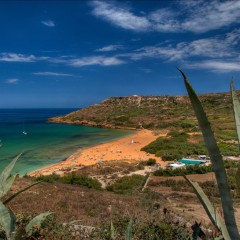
{"x": 41, "y": 143}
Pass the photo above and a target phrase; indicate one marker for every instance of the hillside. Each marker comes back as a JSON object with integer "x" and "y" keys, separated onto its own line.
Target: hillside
{"x": 121, "y": 200}
{"x": 156, "y": 112}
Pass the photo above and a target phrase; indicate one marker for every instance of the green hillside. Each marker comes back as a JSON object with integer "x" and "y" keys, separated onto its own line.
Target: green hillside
{"x": 162, "y": 113}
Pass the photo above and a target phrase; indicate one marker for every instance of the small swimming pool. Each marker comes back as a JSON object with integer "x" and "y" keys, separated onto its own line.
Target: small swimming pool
{"x": 191, "y": 161}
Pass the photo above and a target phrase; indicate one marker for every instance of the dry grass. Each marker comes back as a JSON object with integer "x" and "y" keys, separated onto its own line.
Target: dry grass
{"x": 71, "y": 202}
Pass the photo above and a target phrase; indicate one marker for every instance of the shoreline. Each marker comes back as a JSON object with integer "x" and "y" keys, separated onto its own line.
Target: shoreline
{"x": 127, "y": 148}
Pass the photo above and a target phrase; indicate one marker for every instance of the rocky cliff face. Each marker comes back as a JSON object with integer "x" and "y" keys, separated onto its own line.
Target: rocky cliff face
{"x": 152, "y": 112}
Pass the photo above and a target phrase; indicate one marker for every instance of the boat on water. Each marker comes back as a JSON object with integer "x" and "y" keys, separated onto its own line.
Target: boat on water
{"x": 23, "y": 130}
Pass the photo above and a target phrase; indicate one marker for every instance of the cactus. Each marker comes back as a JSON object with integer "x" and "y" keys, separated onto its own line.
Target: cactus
{"x": 216, "y": 159}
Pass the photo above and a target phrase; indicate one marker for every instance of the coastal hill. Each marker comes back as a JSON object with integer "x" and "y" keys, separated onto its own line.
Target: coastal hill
{"x": 153, "y": 112}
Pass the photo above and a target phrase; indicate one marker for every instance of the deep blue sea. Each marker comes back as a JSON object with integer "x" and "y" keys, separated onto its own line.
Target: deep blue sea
{"x": 45, "y": 143}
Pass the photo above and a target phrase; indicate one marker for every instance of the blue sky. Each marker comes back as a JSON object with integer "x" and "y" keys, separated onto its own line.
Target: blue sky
{"x": 77, "y": 53}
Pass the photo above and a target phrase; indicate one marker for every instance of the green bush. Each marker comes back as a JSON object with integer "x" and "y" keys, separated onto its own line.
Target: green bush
{"x": 126, "y": 184}
{"x": 73, "y": 178}
{"x": 81, "y": 180}
{"x": 228, "y": 149}
{"x": 149, "y": 230}
{"x": 49, "y": 178}
{"x": 191, "y": 169}
{"x": 149, "y": 162}
{"x": 175, "y": 146}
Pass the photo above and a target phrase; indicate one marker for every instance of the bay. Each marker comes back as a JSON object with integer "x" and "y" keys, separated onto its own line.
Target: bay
{"x": 45, "y": 143}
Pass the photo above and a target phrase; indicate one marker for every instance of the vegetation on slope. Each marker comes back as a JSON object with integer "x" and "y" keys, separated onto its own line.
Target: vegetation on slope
{"x": 155, "y": 112}
{"x": 73, "y": 178}
{"x": 179, "y": 144}
{"x": 175, "y": 146}
{"x": 168, "y": 113}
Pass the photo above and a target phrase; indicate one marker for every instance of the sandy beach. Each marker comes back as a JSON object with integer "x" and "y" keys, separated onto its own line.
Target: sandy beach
{"x": 127, "y": 148}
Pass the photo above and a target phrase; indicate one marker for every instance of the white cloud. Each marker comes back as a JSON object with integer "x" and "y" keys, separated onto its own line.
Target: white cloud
{"x": 110, "y": 48}
{"x": 120, "y": 16}
{"x": 14, "y": 57}
{"x": 216, "y": 47}
{"x": 219, "y": 66}
{"x": 53, "y": 74}
{"x": 195, "y": 16}
{"x": 48, "y": 23}
{"x": 12, "y": 81}
{"x": 96, "y": 60}
{"x": 164, "y": 20}
{"x": 210, "y": 15}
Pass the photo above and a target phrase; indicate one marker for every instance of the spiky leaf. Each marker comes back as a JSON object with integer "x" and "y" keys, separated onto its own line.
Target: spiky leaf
{"x": 113, "y": 231}
{"x": 6, "y": 172}
{"x": 7, "y": 185}
{"x": 216, "y": 159}
{"x": 7, "y": 220}
{"x": 207, "y": 205}
{"x": 128, "y": 234}
{"x": 36, "y": 222}
{"x": 20, "y": 191}
{"x": 236, "y": 110}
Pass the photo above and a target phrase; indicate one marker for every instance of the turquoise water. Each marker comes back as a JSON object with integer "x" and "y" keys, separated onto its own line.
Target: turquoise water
{"x": 45, "y": 143}
{"x": 191, "y": 161}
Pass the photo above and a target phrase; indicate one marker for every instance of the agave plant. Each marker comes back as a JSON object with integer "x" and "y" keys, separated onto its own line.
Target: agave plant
{"x": 236, "y": 110}
{"x": 218, "y": 168}
{"x": 128, "y": 232}
{"x": 7, "y": 217}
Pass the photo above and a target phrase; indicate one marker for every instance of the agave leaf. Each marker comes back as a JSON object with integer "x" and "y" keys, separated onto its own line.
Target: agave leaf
{"x": 6, "y": 172}
{"x": 128, "y": 234}
{"x": 7, "y": 220}
{"x": 7, "y": 185}
{"x": 216, "y": 159}
{"x": 36, "y": 221}
{"x": 207, "y": 205}
{"x": 20, "y": 191}
{"x": 113, "y": 231}
{"x": 236, "y": 110}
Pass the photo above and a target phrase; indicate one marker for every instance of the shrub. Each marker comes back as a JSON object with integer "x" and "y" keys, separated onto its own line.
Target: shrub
{"x": 175, "y": 146}
{"x": 191, "y": 169}
{"x": 149, "y": 162}
{"x": 48, "y": 178}
{"x": 126, "y": 184}
{"x": 81, "y": 180}
{"x": 73, "y": 178}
